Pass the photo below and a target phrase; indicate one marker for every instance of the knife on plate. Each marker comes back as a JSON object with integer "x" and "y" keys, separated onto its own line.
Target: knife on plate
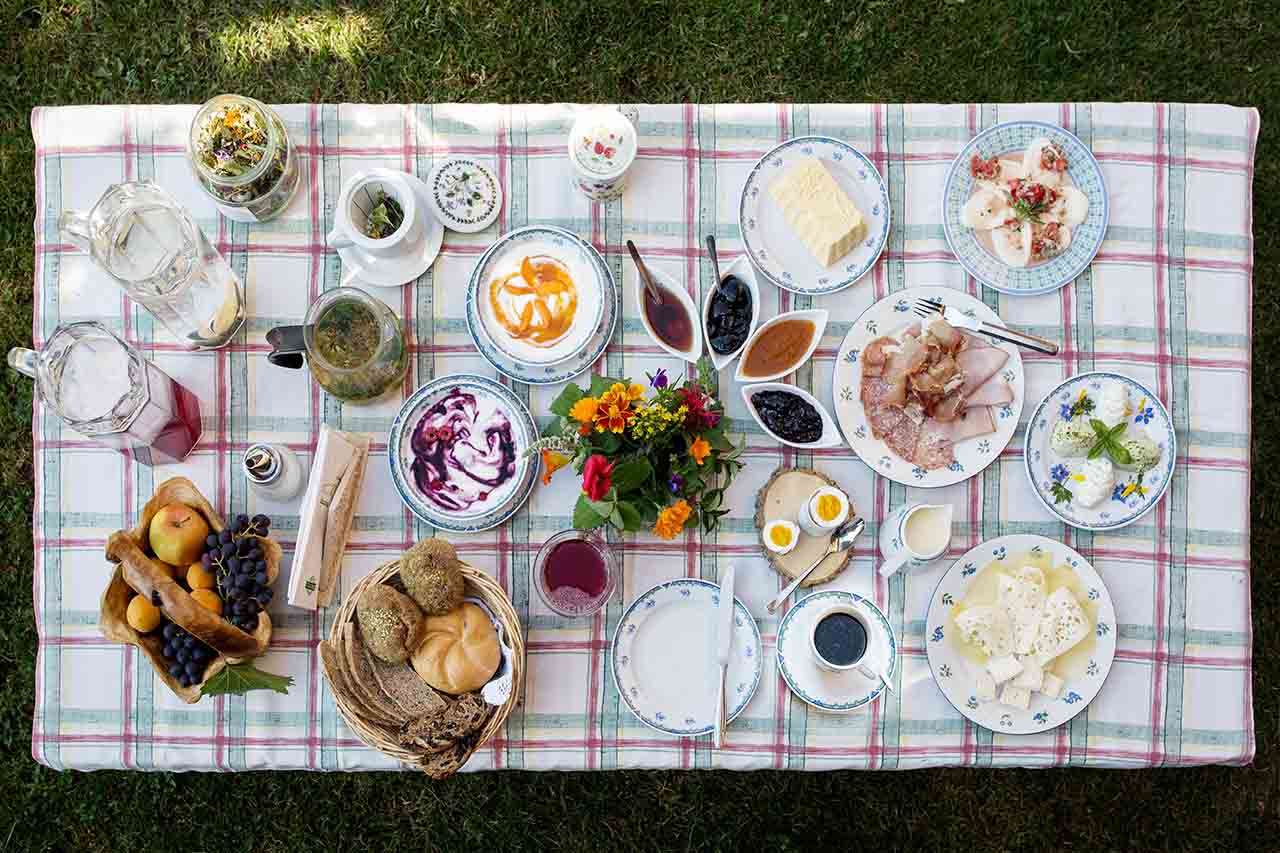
{"x": 724, "y": 638}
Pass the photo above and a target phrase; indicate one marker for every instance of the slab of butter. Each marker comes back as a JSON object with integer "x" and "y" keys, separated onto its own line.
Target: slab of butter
{"x": 818, "y": 210}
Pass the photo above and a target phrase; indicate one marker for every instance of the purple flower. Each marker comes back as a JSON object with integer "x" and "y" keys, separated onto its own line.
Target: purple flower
{"x": 676, "y": 483}
{"x": 1065, "y": 412}
{"x": 1117, "y": 494}
{"x": 659, "y": 379}
{"x": 1059, "y": 473}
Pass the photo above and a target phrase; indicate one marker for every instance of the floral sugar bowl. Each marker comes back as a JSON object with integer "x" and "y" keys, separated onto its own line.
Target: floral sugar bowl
{"x": 602, "y": 146}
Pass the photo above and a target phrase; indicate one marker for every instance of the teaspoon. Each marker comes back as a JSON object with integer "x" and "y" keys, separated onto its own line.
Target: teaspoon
{"x": 842, "y": 539}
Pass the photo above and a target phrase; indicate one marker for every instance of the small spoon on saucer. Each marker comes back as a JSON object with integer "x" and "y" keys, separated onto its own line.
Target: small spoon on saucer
{"x": 655, "y": 292}
{"x": 842, "y": 539}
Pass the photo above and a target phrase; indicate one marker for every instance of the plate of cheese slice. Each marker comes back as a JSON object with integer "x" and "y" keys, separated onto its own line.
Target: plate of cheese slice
{"x": 814, "y": 215}
{"x": 1021, "y": 634}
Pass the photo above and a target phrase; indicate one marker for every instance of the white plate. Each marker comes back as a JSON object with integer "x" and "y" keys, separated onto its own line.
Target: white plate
{"x": 838, "y": 692}
{"x": 954, "y": 673}
{"x": 549, "y": 374}
{"x": 507, "y": 498}
{"x": 669, "y": 285}
{"x": 664, "y": 663}
{"x": 818, "y": 316}
{"x": 830, "y": 432}
{"x": 888, "y": 316}
{"x": 505, "y": 256}
{"x": 746, "y": 273}
{"x": 774, "y": 247}
{"x": 464, "y": 194}
{"x": 359, "y": 267}
{"x": 1086, "y": 238}
{"x": 1044, "y": 467}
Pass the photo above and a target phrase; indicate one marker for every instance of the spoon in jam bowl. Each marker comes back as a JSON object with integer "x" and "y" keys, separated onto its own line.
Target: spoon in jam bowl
{"x": 842, "y": 539}
{"x": 715, "y": 261}
{"x": 655, "y": 292}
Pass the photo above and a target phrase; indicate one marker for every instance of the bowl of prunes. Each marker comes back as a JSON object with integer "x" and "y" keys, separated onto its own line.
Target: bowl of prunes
{"x": 730, "y": 312}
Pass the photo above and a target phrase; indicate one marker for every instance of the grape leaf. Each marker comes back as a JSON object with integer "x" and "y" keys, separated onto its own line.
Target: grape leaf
{"x": 240, "y": 678}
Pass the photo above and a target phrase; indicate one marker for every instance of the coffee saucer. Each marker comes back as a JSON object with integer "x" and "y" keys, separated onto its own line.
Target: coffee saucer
{"x": 359, "y": 267}
{"x": 837, "y": 692}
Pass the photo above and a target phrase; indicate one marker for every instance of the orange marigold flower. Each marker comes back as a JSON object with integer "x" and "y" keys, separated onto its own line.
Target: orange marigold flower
{"x": 584, "y": 410}
{"x": 671, "y": 520}
{"x": 552, "y": 461}
{"x": 613, "y": 417}
{"x": 700, "y": 450}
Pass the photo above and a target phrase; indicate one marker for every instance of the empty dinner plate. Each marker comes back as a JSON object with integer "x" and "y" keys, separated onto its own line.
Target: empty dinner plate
{"x": 664, "y": 662}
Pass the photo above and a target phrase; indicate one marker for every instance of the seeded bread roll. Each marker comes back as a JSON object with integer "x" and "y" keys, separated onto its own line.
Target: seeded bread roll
{"x": 391, "y": 624}
{"x": 432, "y": 576}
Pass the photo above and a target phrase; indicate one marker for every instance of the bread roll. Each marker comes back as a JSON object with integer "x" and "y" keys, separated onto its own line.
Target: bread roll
{"x": 459, "y": 652}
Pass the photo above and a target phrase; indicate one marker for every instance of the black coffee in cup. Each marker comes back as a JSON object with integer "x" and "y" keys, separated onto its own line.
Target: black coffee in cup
{"x": 840, "y": 639}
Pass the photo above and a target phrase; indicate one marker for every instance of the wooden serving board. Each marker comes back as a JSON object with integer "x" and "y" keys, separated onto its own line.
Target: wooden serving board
{"x": 781, "y": 497}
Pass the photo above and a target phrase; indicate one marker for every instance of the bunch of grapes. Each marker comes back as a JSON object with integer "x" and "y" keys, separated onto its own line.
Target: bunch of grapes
{"x": 236, "y": 559}
{"x": 187, "y": 656}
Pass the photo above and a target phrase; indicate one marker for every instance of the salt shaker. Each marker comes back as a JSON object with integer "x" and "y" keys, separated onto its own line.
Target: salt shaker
{"x": 273, "y": 471}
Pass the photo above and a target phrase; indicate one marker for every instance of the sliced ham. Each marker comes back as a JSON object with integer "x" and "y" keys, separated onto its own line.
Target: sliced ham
{"x": 973, "y": 423}
{"x": 951, "y": 407}
{"x": 980, "y": 364}
{"x": 874, "y": 357}
{"x": 994, "y": 392}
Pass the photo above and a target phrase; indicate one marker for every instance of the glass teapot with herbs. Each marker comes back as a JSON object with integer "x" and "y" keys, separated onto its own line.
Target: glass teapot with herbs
{"x": 353, "y": 343}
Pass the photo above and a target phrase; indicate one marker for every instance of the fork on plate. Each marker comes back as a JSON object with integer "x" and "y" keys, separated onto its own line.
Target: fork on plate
{"x": 929, "y": 307}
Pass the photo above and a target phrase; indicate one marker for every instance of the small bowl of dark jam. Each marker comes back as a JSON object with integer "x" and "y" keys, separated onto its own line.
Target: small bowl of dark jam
{"x": 840, "y": 637}
{"x": 791, "y": 415}
{"x": 730, "y": 312}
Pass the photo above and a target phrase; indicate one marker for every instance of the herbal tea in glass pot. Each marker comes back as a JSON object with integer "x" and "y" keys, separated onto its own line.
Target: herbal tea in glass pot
{"x": 353, "y": 343}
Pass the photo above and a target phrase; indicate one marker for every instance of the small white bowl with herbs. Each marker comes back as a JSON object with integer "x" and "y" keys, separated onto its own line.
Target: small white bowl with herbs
{"x": 1100, "y": 451}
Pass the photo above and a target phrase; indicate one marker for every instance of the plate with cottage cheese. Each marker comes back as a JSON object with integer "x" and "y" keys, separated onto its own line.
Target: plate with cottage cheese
{"x": 1100, "y": 451}
{"x": 1020, "y": 634}
{"x": 814, "y": 215}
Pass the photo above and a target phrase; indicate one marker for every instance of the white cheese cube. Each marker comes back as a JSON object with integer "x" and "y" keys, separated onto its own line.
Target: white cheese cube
{"x": 1031, "y": 677}
{"x": 984, "y": 686}
{"x": 1003, "y": 669}
{"x": 1018, "y": 697}
{"x": 818, "y": 210}
{"x": 1051, "y": 686}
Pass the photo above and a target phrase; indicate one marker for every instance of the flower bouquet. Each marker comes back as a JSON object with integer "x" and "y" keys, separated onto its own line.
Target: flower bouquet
{"x": 660, "y": 463}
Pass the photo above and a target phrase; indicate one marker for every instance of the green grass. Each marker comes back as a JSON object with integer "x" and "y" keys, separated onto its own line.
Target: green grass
{"x": 79, "y": 51}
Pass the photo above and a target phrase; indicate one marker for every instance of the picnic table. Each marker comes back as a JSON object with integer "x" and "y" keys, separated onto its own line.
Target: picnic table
{"x": 1168, "y": 300}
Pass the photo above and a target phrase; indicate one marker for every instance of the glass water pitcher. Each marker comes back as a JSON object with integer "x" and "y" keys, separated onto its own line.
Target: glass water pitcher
{"x": 150, "y": 245}
{"x": 105, "y": 390}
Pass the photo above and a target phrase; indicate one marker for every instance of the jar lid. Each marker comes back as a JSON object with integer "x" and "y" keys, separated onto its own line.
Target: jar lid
{"x": 465, "y": 195}
{"x": 602, "y": 142}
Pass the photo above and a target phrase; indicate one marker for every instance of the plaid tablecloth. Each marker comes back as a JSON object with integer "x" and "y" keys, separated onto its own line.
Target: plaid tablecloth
{"x": 1168, "y": 300}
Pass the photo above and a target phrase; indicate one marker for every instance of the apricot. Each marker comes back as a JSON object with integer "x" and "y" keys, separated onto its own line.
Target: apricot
{"x": 208, "y": 599}
{"x": 199, "y": 578}
{"x": 142, "y": 615}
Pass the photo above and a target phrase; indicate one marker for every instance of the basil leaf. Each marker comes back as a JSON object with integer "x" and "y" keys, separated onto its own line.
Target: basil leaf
{"x": 1097, "y": 450}
{"x": 1116, "y": 431}
{"x": 1099, "y": 428}
{"x": 1120, "y": 454}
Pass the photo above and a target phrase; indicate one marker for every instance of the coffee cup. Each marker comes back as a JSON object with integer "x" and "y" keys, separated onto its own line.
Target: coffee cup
{"x": 842, "y": 638}
{"x": 914, "y": 535}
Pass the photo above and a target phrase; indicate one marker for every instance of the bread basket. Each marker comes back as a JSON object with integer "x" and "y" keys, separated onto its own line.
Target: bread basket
{"x": 478, "y": 585}
{"x": 115, "y": 600}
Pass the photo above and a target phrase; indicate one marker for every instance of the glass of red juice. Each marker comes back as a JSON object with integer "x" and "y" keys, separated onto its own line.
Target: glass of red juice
{"x": 575, "y": 573}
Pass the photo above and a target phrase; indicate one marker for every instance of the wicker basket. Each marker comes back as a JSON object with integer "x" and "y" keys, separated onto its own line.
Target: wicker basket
{"x": 479, "y": 585}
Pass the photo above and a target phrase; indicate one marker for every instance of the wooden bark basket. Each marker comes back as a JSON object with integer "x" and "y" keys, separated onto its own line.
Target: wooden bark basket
{"x": 778, "y": 499}
{"x": 183, "y": 610}
{"x": 438, "y": 765}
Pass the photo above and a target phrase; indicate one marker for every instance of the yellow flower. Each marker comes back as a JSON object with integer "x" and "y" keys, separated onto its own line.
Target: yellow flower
{"x": 552, "y": 461}
{"x": 671, "y": 520}
{"x": 700, "y": 450}
{"x": 613, "y": 417}
{"x": 584, "y": 411}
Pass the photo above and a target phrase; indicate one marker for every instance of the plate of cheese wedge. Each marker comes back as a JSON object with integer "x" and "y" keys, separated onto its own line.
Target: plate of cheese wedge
{"x": 1021, "y": 634}
{"x": 814, "y": 215}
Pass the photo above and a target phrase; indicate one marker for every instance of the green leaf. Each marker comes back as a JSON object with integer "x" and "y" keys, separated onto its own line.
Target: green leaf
{"x": 608, "y": 442}
{"x": 585, "y": 516}
{"x": 1099, "y": 428}
{"x": 600, "y": 384}
{"x": 1098, "y": 448}
{"x": 603, "y": 508}
{"x": 711, "y": 500}
{"x": 1116, "y": 431}
{"x": 630, "y": 474}
{"x": 1120, "y": 454}
{"x": 240, "y": 678}
{"x": 563, "y": 404}
{"x": 629, "y": 515}
{"x": 1061, "y": 494}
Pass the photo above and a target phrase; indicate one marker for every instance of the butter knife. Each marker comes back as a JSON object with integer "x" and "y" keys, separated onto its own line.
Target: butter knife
{"x": 724, "y": 638}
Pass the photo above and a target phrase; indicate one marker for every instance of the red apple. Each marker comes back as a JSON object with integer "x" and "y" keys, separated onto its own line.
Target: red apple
{"x": 177, "y": 534}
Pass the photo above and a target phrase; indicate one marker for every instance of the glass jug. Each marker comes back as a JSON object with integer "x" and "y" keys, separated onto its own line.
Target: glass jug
{"x": 149, "y": 244}
{"x": 353, "y": 343}
{"x": 105, "y": 390}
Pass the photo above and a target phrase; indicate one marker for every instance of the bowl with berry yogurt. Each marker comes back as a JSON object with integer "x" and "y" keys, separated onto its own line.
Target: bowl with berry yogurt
{"x": 457, "y": 453}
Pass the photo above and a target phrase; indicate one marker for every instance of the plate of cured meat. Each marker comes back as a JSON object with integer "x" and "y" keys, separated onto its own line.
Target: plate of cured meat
{"x": 921, "y": 402}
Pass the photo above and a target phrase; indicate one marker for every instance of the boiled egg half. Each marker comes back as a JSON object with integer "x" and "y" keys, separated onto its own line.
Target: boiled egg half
{"x": 781, "y": 536}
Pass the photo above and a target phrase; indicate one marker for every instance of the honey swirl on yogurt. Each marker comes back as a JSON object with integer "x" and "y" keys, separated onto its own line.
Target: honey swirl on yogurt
{"x": 536, "y": 303}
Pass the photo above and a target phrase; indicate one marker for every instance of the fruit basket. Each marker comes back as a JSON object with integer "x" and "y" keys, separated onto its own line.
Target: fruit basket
{"x": 139, "y": 572}
{"x": 438, "y": 763}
